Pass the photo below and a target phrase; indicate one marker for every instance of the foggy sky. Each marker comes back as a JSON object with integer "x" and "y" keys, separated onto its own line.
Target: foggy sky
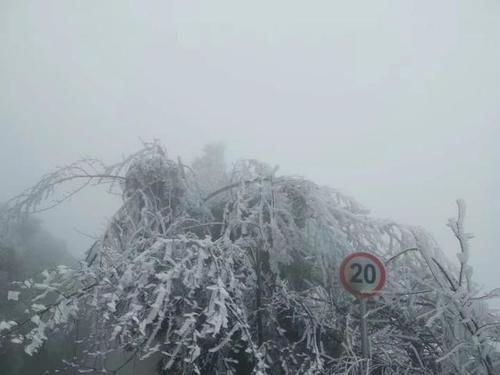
{"x": 393, "y": 102}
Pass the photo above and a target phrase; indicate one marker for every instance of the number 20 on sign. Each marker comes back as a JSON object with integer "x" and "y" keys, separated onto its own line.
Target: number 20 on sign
{"x": 362, "y": 274}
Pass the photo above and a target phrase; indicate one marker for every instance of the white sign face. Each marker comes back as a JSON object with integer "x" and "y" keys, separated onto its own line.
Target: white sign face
{"x": 362, "y": 274}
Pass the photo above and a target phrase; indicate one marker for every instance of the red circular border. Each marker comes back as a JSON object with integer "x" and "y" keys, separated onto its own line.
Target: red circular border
{"x": 375, "y": 260}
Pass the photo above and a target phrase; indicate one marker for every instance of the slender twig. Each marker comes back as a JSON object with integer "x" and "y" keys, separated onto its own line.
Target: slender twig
{"x": 399, "y": 254}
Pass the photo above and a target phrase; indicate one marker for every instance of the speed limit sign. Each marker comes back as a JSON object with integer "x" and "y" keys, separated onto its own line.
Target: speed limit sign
{"x": 362, "y": 274}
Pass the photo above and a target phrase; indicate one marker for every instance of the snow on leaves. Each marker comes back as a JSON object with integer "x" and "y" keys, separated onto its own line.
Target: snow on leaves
{"x": 242, "y": 280}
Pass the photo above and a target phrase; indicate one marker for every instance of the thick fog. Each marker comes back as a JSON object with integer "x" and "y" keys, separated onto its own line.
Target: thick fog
{"x": 392, "y": 102}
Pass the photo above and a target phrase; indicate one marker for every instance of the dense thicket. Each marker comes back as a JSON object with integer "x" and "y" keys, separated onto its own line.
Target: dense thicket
{"x": 215, "y": 270}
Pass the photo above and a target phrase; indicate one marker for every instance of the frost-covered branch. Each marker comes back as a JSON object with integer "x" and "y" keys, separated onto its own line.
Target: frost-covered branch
{"x": 241, "y": 279}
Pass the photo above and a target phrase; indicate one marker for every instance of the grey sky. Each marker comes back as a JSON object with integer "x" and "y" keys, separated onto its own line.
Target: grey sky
{"x": 393, "y": 102}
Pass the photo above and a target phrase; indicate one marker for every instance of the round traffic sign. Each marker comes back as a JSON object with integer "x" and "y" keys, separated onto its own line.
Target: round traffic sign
{"x": 362, "y": 274}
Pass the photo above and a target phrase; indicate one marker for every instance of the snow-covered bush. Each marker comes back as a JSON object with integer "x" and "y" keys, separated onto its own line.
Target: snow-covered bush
{"x": 242, "y": 279}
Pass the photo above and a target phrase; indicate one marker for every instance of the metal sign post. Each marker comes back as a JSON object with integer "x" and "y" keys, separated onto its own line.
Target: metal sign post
{"x": 365, "y": 347}
{"x": 363, "y": 275}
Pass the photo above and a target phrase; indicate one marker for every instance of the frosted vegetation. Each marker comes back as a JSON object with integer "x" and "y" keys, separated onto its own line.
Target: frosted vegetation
{"x": 207, "y": 269}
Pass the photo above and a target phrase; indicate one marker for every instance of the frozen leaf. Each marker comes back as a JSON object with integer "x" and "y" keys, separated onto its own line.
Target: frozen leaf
{"x": 12, "y": 296}
{"x": 6, "y": 325}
